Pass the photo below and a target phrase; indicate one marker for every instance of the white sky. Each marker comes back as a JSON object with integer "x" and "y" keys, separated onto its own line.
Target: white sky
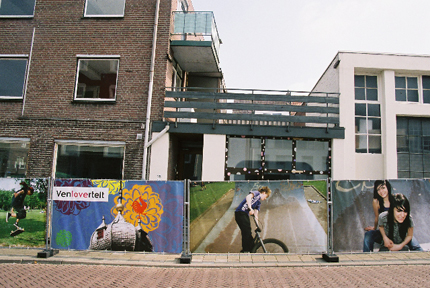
{"x": 287, "y": 45}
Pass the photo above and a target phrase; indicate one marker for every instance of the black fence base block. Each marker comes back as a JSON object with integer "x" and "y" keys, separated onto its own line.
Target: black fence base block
{"x": 330, "y": 257}
{"x": 47, "y": 253}
{"x": 185, "y": 259}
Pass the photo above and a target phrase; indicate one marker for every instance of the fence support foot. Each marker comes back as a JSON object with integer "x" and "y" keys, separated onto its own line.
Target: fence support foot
{"x": 330, "y": 257}
{"x": 47, "y": 253}
{"x": 185, "y": 258}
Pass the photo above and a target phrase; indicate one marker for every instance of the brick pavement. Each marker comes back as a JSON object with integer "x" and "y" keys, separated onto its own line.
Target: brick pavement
{"x": 51, "y": 275}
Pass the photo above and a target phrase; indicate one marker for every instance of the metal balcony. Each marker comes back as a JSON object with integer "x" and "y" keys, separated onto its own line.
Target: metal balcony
{"x": 195, "y": 42}
{"x": 253, "y": 113}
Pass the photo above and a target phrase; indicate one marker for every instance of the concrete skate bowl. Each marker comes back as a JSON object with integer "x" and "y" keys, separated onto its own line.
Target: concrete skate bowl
{"x": 286, "y": 215}
{"x": 352, "y": 211}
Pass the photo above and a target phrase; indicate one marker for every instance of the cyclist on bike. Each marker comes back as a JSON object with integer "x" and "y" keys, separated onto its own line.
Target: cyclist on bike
{"x": 248, "y": 207}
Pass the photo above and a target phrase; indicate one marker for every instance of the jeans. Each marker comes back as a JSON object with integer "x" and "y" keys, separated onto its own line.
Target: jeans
{"x": 242, "y": 220}
{"x": 374, "y": 236}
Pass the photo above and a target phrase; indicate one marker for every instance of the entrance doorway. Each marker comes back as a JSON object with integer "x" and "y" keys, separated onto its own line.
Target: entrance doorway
{"x": 189, "y": 149}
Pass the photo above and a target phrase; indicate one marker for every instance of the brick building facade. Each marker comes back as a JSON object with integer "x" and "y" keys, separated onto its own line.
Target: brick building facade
{"x": 51, "y": 42}
{"x": 56, "y": 44}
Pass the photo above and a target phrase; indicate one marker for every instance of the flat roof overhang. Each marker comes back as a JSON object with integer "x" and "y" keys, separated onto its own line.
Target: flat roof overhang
{"x": 196, "y": 56}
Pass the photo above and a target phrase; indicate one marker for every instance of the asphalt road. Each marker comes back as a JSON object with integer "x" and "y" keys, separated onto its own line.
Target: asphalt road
{"x": 47, "y": 275}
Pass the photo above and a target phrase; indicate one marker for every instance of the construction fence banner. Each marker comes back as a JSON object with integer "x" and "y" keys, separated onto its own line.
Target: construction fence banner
{"x": 86, "y": 214}
{"x": 117, "y": 215}
{"x": 353, "y": 211}
{"x": 25, "y": 209}
{"x": 294, "y": 214}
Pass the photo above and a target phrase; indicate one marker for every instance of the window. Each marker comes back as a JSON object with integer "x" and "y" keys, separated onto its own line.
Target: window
{"x": 12, "y": 77}
{"x": 104, "y": 8}
{"x": 413, "y": 147}
{"x": 88, "y": 160}
{"x": 96, "y": 79}
{"x": 276, "y": 159}
{"x": 13, "y": 157}
{"x": 426, "y": 89}
{"x": 182, "y": 5}
{"x": 17, "y": 8}
{"x": 406, "y": 89}
{"x": 366, "y": 88}
{"x": 367, "y": 115}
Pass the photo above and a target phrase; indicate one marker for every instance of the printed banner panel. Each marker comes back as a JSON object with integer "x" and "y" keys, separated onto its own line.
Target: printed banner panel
{"x": 23, "y": 202}
{"x": 85, "y": 215}
{"x": 353, "y": 212}
{"x": 295, "y": 214}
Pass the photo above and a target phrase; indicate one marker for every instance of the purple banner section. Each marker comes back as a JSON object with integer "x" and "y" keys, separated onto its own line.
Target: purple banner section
{"x": 138, "y": 216}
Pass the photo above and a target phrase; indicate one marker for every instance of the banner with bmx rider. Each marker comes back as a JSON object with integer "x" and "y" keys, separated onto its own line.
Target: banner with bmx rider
{"x": 294, "y": 214}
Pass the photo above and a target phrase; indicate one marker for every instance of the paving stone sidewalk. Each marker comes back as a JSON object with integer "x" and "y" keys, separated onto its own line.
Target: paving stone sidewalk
{"x": 17, "y": 255}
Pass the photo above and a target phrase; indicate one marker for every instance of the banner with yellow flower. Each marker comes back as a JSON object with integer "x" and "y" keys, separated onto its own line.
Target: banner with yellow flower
{"x": 148, "y": 215}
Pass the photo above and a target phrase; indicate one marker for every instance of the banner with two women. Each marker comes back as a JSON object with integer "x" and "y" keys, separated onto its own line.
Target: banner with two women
{"x": 386, "y": 215}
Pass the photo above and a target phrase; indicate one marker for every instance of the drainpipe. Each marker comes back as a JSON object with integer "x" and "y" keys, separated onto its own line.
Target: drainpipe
{"x": 28, "y": 71}
{"x": 164, "y": 131}
{"x": 150, "y": 90}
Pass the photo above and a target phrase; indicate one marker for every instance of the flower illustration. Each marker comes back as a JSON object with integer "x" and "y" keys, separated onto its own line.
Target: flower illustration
{"x": 142, "y": 207}
{"x": 70, "y": 207}
{"x": 114, "y": 186}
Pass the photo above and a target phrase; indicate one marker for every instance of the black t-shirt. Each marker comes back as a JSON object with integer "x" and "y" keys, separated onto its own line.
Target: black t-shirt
{"x": 18, "y": 201}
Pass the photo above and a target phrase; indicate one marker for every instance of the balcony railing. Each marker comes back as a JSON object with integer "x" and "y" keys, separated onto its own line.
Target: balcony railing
{"x": 196, "y": 26}
{"x": 252, "y": 107}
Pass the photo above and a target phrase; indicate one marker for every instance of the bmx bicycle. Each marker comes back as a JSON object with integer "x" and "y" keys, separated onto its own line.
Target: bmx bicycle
{"x": 269, "y": 245}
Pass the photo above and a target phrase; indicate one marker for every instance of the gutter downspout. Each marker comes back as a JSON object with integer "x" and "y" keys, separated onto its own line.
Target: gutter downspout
{"x": 28, "y": 71}
{"x": 164, "y": 131}
{"x": 150, "y": 90}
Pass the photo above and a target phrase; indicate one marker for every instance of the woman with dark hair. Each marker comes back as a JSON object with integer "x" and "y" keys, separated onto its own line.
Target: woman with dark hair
{"x": 396, "y": 225}
{"x": 381, "y": 203}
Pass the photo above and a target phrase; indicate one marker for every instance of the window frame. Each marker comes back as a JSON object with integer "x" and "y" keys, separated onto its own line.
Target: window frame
{"x": 23, "y": 57}
{"x": 86, "y": 15}
{"x": 264, "y": 172}
{"x": 424, "y": 89}
{"x": 21, "y": 141}
{"x": 20, "y": 16}
{"x": 367, "y": 117}
{"x": 88, "y": 143}
{"x": 409, "y": 149}
{"x": 95, "y": 58}
{"x": 418, "y": 89}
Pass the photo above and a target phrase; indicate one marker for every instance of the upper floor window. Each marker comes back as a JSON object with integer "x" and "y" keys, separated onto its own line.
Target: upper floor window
{"x": 104, "y": 8}
{"x": 17, "y": 8}
{"x": 12, "y": 77}
{"x": 426, "y": 89}
{"x": 367, "y": 115}
{"x": 182, "y": 6}
{"x": 406, "y": 89}
{"x": 96, "y": 79}
{"x": 366, "y": 88}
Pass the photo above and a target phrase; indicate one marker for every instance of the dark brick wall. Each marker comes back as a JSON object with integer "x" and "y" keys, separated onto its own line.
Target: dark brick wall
{"x": 62, "y": 33}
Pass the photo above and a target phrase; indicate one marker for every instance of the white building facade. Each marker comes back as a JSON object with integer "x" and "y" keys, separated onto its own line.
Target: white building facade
{"x": 385, "y": 110}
